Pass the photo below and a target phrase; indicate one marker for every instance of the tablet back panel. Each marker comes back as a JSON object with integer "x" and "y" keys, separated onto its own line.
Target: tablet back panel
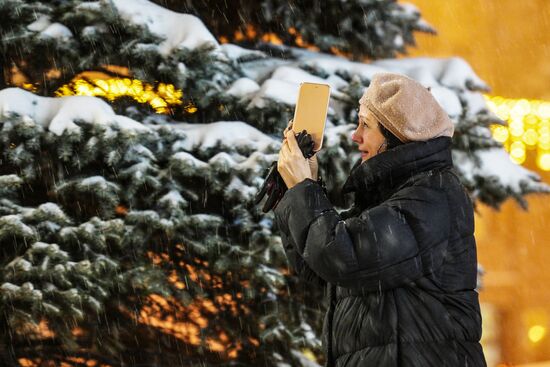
{"x": 311, "y": 111}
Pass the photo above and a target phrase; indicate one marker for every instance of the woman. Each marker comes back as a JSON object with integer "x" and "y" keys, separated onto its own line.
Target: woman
{"x": 401, "y": 264}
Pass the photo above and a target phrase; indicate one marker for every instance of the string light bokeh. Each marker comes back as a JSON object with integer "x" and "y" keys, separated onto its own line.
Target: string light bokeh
{"x": 528, "y": 129}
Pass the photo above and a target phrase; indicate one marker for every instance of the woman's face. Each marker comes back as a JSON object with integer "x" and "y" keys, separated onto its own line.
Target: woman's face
{"x": 368, "y": 136}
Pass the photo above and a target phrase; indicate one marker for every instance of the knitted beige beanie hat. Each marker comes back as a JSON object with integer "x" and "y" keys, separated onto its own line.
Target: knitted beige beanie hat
{"x": 406, "y": 108}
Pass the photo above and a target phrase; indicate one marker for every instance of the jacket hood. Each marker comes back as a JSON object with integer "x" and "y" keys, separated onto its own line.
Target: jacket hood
{"x": 374, "y": 179}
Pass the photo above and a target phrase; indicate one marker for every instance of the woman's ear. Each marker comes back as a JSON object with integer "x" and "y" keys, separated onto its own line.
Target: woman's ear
{"x": 383, "y": 145}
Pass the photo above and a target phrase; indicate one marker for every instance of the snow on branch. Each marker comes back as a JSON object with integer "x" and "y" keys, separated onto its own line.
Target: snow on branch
{"x": 226, "y": 135}
{"x": 58, "y": 114}
{"x": 178, "y": 30}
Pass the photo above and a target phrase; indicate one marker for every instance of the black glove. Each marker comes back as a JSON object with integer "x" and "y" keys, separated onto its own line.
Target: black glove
{"x": 274, "y": 186}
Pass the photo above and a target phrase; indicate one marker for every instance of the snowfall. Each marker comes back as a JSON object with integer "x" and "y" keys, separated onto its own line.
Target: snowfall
{"x": 451, "y": 80}
{"x": 266, "y": 79}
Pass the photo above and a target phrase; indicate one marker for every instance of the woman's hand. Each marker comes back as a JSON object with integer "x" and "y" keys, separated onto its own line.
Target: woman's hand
{"x": 313, "y": 163}
{"x": 292, "y": 165}
{"x": 287, "y": 129}
{"x": 314, "y": 166}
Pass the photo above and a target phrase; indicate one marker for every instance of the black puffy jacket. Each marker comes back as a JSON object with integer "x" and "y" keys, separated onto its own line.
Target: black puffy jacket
{"x": 400, "y": 266}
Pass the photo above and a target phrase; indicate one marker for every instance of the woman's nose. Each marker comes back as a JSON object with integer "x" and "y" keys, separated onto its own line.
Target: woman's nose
{"x": 355, "y": 137}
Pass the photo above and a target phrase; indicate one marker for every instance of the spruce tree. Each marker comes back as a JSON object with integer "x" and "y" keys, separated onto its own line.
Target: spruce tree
{"x": 129, "y": 237}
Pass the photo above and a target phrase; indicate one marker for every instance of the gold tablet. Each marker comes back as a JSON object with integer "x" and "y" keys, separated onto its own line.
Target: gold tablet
{"x": 311, "y": 111}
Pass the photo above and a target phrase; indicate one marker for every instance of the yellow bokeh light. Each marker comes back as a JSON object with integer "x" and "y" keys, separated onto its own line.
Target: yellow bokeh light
{"x": 528, "y": 126}
{"x": 544, "y": 137}
{"x": 503, "y": 111}
{"x": 544, "y": 110}
{"x": 519, "y": 159}
{"x": 516, "y": 131}
{"x": 500, "y": 133}
{"x": 161, "y": 98}
{"x": 517, "y": 145}
{"x": 531, "y": 120}
{"x": 543, "y": 161}
{"x": 309, "y": 354}
{"x": 536, "y": 333}
{"x": 521, "y": 108}
{"x": 191, "y": 109}
{"x": 530, "y": 137}
{"x": 517, "y": 152}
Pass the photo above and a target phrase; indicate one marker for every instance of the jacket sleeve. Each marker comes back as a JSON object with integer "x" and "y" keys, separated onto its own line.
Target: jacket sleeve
{"x": 376, "y": 250}
{"x": 298, "y": 266}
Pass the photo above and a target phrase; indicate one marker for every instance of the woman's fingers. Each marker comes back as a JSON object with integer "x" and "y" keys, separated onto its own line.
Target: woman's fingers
{"x": 292, "y": 142}
{"x": 288, "y": 127}
{"x": 283, "y": 154}
{"x": 284, "y": 164}
{"x": 314, "y": 166}
{"x": 282, "y": 161}
{"x": 292, "y": 165}
{"x": 285, "y": 146}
